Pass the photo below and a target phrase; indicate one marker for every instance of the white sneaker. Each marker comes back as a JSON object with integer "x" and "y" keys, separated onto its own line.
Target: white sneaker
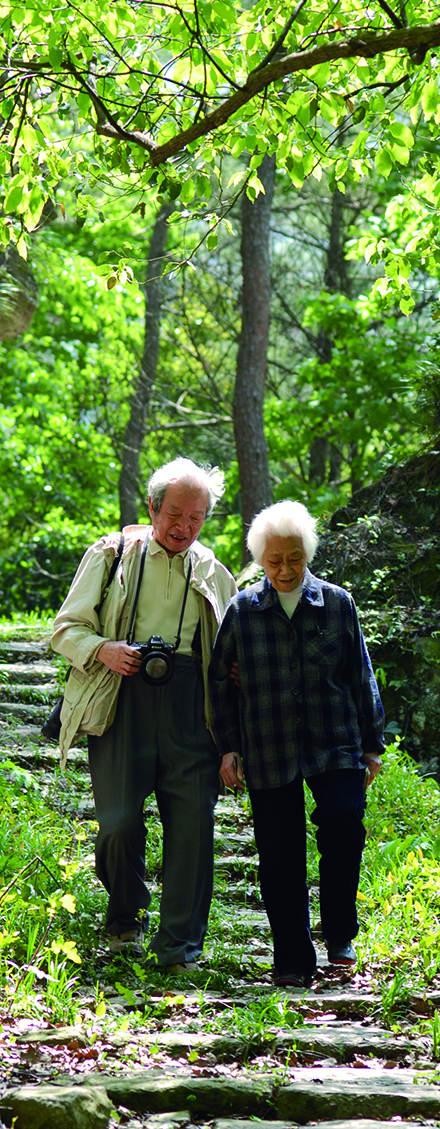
{"x": 131, "y": 942}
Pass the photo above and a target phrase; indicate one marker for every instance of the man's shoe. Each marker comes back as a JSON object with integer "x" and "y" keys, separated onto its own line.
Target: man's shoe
{"x": 292, "y": 979}
{"x": 343, "y": 953}
{"x": 131, "y": 942}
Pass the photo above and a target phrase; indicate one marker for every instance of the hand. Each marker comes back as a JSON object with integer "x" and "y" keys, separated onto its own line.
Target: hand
{"x": 234, "y": 674}
{"x": 374, "y": 764}
{"x": 231, "y": 771}
{"x": 120, "y": 657}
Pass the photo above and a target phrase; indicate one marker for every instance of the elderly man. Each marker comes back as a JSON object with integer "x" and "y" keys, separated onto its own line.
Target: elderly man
{"x": 302, "y": 704}
{"x": 146, "y": 708}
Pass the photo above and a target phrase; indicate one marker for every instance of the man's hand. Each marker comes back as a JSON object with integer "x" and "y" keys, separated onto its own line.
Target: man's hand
{"x": 231, "y": 771}
{"x": 120, "y": 657}
{"x": 374, "y": 764}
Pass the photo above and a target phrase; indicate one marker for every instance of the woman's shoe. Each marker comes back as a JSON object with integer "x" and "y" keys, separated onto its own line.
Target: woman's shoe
{"x": 343, "y": 953}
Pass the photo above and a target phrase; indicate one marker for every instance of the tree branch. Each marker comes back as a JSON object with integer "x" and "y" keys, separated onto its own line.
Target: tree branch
{"x": 391, "y": 15}
{"x": 416, "y": 40}
{"x": 365, "y": 47}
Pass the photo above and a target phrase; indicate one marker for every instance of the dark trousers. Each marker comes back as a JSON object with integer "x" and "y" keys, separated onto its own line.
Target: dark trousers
{"x": 158, "y": 743}
{"x": 280, "y": 834}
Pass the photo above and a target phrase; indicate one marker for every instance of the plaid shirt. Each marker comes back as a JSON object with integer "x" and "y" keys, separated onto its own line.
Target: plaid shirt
{"x": 308, "y": 699}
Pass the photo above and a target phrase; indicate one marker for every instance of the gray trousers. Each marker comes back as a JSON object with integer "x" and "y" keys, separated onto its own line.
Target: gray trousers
{"x": 158, "y": 743}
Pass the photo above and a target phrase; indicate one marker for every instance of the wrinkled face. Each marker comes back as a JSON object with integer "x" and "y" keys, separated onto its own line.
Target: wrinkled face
{"x": 284, "y": 562}
{"x": 180, "y": 518}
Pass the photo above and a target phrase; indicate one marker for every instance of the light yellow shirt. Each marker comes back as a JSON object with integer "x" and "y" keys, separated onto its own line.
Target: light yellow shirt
{"x": 161, "y": 598}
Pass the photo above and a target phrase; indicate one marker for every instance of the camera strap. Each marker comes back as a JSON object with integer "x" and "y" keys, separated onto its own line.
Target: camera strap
{"x": 182, "y": 610}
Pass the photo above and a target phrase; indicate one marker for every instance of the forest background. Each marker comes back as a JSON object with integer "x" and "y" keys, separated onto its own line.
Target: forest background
{"x": 220, "y": 239}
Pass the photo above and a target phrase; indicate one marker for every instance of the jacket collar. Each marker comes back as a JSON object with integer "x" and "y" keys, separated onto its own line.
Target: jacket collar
{"x": 202, "y": 558}
{"x": 265, "y": 596}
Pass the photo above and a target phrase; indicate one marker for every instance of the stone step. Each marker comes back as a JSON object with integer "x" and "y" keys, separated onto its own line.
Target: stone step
{"x": 40, "y": 755}
{"x": 29, "y": 692}
{"x": 338, "y": 1002}
{"x": 12, "y": 732}
{"x": 29, "y": 711}
{"x": 19, "y": 672}
{"x": 243, "y": 841}
{"x": 340, "y": 1042}
{"x": 241, "y": 863}
{"x": 311, "y": 1094}
{"x": 22, "y": 651}
{"x": 358, "y": 1123}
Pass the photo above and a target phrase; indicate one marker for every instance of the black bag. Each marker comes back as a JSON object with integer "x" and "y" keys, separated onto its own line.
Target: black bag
{"x": 52, "y": 726}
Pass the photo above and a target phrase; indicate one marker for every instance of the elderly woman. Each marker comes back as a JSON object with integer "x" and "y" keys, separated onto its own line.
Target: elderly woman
{"x": 302, "y": 704}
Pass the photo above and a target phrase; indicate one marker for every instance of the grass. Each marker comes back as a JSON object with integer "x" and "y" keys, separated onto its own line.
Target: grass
{"x": 33, "y": 625}
{"x": 52, "y": 908}
{"x": 51, "y": 905}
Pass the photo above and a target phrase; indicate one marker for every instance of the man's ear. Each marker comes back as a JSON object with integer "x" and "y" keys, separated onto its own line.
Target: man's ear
{"x": 151, "y": 510}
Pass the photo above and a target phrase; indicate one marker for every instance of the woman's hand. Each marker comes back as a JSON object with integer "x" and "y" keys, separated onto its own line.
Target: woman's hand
{"x": 374, "y": 764}
{"x": 231, "y": 771}
{"x": 120, "y": 657}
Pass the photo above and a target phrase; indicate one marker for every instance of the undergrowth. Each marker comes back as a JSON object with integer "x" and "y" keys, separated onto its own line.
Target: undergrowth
{"x": 52, "y": 907}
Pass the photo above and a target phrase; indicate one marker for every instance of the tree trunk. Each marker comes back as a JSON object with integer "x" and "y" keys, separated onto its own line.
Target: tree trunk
{"x": 324, "y": 461}
{"x": 130, "y": 488}
{"x": 255, "y": 490}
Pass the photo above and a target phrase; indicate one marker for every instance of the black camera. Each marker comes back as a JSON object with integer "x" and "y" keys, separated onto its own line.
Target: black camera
{"x": 157, "y": 660}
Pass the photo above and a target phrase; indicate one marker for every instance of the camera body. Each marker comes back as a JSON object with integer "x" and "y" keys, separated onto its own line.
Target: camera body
{"x": 157, "y": 660}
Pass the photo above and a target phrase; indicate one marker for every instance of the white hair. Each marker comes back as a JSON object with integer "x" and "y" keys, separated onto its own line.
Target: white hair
{"x": 284, "y": 519}
{"x": 183, "y": 470}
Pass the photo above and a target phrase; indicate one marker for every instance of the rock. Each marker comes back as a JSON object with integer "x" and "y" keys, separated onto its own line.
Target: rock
{"x": 58, "y": 1107}
{"x": 204, "y": 1097}
{"x": 342, "y": 1092}
{"x": 22, "y": 651}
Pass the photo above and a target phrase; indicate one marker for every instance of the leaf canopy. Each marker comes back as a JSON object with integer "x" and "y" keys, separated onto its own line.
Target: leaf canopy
{"x": 151, "y": 97}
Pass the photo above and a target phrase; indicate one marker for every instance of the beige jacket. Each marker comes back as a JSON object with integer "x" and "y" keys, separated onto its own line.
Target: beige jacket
{"x": 91, "y": 692}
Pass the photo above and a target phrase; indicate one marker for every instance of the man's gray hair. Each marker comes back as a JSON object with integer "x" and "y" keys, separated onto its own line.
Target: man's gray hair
{"x": 183, "y": 470}
{"x": 283, "y": 519}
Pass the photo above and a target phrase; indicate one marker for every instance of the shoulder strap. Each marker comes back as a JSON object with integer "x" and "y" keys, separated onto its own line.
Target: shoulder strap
{"x": 112, "y": 572}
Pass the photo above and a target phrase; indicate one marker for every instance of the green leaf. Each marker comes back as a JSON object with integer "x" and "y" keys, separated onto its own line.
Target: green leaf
{"x": 6, "y": 106}
{"x": 28, "y": 137}
{"x": 407, "y": 305}
{"x": 22, "y": 247}
{"x": 14, "y": 197}
{"x": 400, "y": 153}
{"x": 254, "y": 187}
{"x": 295, "y": 168}
{"x": 402, "y": 134}
{"x": 430, "y": 98}
{"x": 68, "y": 902}
{"x": 384, "y": 162}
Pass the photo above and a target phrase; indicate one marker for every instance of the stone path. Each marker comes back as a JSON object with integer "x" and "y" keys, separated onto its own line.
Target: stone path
{"x": 218, "y": 1047}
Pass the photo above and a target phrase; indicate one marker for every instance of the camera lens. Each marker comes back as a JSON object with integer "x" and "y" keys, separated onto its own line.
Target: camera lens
{"x": 156, "y": 667}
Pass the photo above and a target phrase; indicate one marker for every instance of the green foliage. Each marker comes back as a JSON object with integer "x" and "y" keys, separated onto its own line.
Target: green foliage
{"x": 146, "y": 100}
{"x": 51, "y": 910}
{"x": 400, "y": 874}
{"x": 63, "y": 411}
